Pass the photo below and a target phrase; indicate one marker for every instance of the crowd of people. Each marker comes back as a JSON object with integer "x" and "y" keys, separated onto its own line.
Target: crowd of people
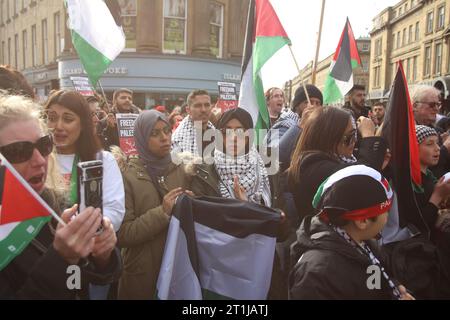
{"x": 340, "y": 213}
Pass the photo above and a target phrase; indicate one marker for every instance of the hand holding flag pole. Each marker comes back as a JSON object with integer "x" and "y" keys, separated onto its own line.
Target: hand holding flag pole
{"x": 300, "y": 73}
{"x": 5, "y": 163}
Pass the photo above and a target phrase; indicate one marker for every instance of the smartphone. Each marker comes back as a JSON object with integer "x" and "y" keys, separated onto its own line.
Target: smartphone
{"x": 90, "y": 186}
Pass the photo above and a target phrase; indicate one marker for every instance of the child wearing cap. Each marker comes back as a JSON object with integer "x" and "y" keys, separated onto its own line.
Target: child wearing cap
{"x": 336, "y": 255}
{"x": 433, "y": 192}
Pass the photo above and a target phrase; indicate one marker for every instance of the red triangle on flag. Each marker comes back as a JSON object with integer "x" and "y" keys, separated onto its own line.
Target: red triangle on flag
{"x": 267, "y": 22}
{"x": 18, "y": 204}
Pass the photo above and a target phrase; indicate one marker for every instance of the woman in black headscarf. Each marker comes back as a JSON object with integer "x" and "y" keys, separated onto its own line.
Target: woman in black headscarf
{"x": 238, "y": 170}
{"x": 152, "y": 183}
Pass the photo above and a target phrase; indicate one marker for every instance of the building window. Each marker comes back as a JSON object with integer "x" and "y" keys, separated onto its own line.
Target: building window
{"x": 2, "y": 9}
{"x": 216, "y": 29}
{"x": 417, "y": 31}
{"x": 16, "y": 51}
{"x": 15, "y": 11}
{"x": 378, "y": 47}
{"x": 44, "y": 42}
{"x": 408, "y": 69}
{"x": 3, "y": 58}
{"x": 24, "y": 48}
{"x": 398, "y": 39}
{"x": 400, "y": 11}
{"x": 393, "y": 40}
{"x": 9, "y": 51}
{"x": 376, "y": 78}
{"x": 57, "y": 34}
{"x": 128, "y": 12}
{"x": 438, "y": 60}
{"x": 175, "y": 16}
{"x": 427, "y": 62}
{"x": 8, "y": 13}
{"x": 441, "y": 17}
{"x": 365, "y": 47}
{"x": 414, "y": 73}
{"x": 430, "y": 19}
{"x": 34, "y": 48}
{"x": 404, "y": 37}
{"x": 410, "y": 34}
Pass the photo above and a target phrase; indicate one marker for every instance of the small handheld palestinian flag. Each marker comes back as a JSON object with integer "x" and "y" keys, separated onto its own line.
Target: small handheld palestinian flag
{"x": 346, "y": 58}
{"x": 22, "y": 213}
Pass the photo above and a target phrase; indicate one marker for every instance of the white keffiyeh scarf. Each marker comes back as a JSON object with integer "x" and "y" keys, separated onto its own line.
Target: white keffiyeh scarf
{"x": 251, "y": 172}
{"x": 184, "y": 137}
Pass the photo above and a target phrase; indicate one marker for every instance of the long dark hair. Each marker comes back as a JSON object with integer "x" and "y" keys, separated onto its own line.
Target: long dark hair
{"x": 87, "y": 144}
{"x": 323, "y": 132}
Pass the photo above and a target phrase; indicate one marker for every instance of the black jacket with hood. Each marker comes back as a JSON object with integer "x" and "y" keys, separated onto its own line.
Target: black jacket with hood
{"x": 329, "y": 268}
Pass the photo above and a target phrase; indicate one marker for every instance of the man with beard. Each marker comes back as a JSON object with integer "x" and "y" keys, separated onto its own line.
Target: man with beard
{"x": 185, "y": 137}
{"x": 357, "y": 102}
{"x": 122, "y": 103}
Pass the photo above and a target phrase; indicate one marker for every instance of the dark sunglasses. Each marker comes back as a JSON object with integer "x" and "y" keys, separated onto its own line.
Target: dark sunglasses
{"x": 19, "y": 152}
{"x": 350, "y": 138}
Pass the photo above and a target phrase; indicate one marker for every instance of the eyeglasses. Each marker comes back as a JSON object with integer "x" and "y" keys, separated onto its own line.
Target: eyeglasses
{"x": 158, "y": 132}
{"x": 433, "y": 105}
{"x": 350, "y": 138}
{"x": 22, "y": 151}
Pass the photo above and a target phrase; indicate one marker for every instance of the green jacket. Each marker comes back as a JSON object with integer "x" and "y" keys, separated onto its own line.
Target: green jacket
{"x": 142, "y": 235}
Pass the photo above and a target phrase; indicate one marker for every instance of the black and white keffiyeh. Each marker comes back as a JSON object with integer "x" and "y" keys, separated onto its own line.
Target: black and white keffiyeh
{"x": 423, "y": 132}
{"x": 251, "y": 172}
{"x": 365, "y": 249}
{"x": 184, "y": 137}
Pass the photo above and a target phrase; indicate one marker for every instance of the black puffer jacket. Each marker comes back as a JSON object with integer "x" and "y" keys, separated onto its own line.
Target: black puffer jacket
{"x": 327, "y": 267}
{"x": 317, "y": 166}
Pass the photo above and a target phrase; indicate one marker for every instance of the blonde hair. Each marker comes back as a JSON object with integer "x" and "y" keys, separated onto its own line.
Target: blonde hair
{"x": 15, "y": 108}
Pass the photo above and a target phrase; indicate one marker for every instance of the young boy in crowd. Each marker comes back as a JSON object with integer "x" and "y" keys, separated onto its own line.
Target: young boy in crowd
{"x": 434, "y": 192}
{"x": 336, "y": 254}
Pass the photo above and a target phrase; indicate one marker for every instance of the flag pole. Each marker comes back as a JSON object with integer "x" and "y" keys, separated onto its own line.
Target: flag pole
{"x": 319, "y": 37}
{"x": 300, "y": 73}
{"x": 5, "y": 162}
{"x": 103, "y": 93}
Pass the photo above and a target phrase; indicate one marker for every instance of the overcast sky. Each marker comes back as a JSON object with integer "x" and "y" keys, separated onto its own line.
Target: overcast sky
{"x": 300, "y": 19}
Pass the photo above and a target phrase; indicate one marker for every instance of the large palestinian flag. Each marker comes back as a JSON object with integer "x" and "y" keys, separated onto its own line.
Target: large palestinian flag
{"x": 265, "y": 36}
{"x": 400, "y": 132}
{"x": 346, "y": 58}
{"x": 218, "y": 248}
{"x": 22, "y": 214}
{"x": 97, "y": 34}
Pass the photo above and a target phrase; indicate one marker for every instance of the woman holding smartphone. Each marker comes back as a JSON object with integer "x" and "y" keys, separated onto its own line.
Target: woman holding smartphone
{"x": 40, "y": 271}
{"x": 72, "y": 123}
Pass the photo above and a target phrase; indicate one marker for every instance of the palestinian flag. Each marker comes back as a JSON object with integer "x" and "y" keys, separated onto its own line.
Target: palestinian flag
{"x": 265, "y": 36}
{"x": 22, "y": 214}
{"x": 97, "y": 34}
{"x": 399, "y": 130}
{"x": 346, "y": 58}
{"x": 218, "y": 248}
